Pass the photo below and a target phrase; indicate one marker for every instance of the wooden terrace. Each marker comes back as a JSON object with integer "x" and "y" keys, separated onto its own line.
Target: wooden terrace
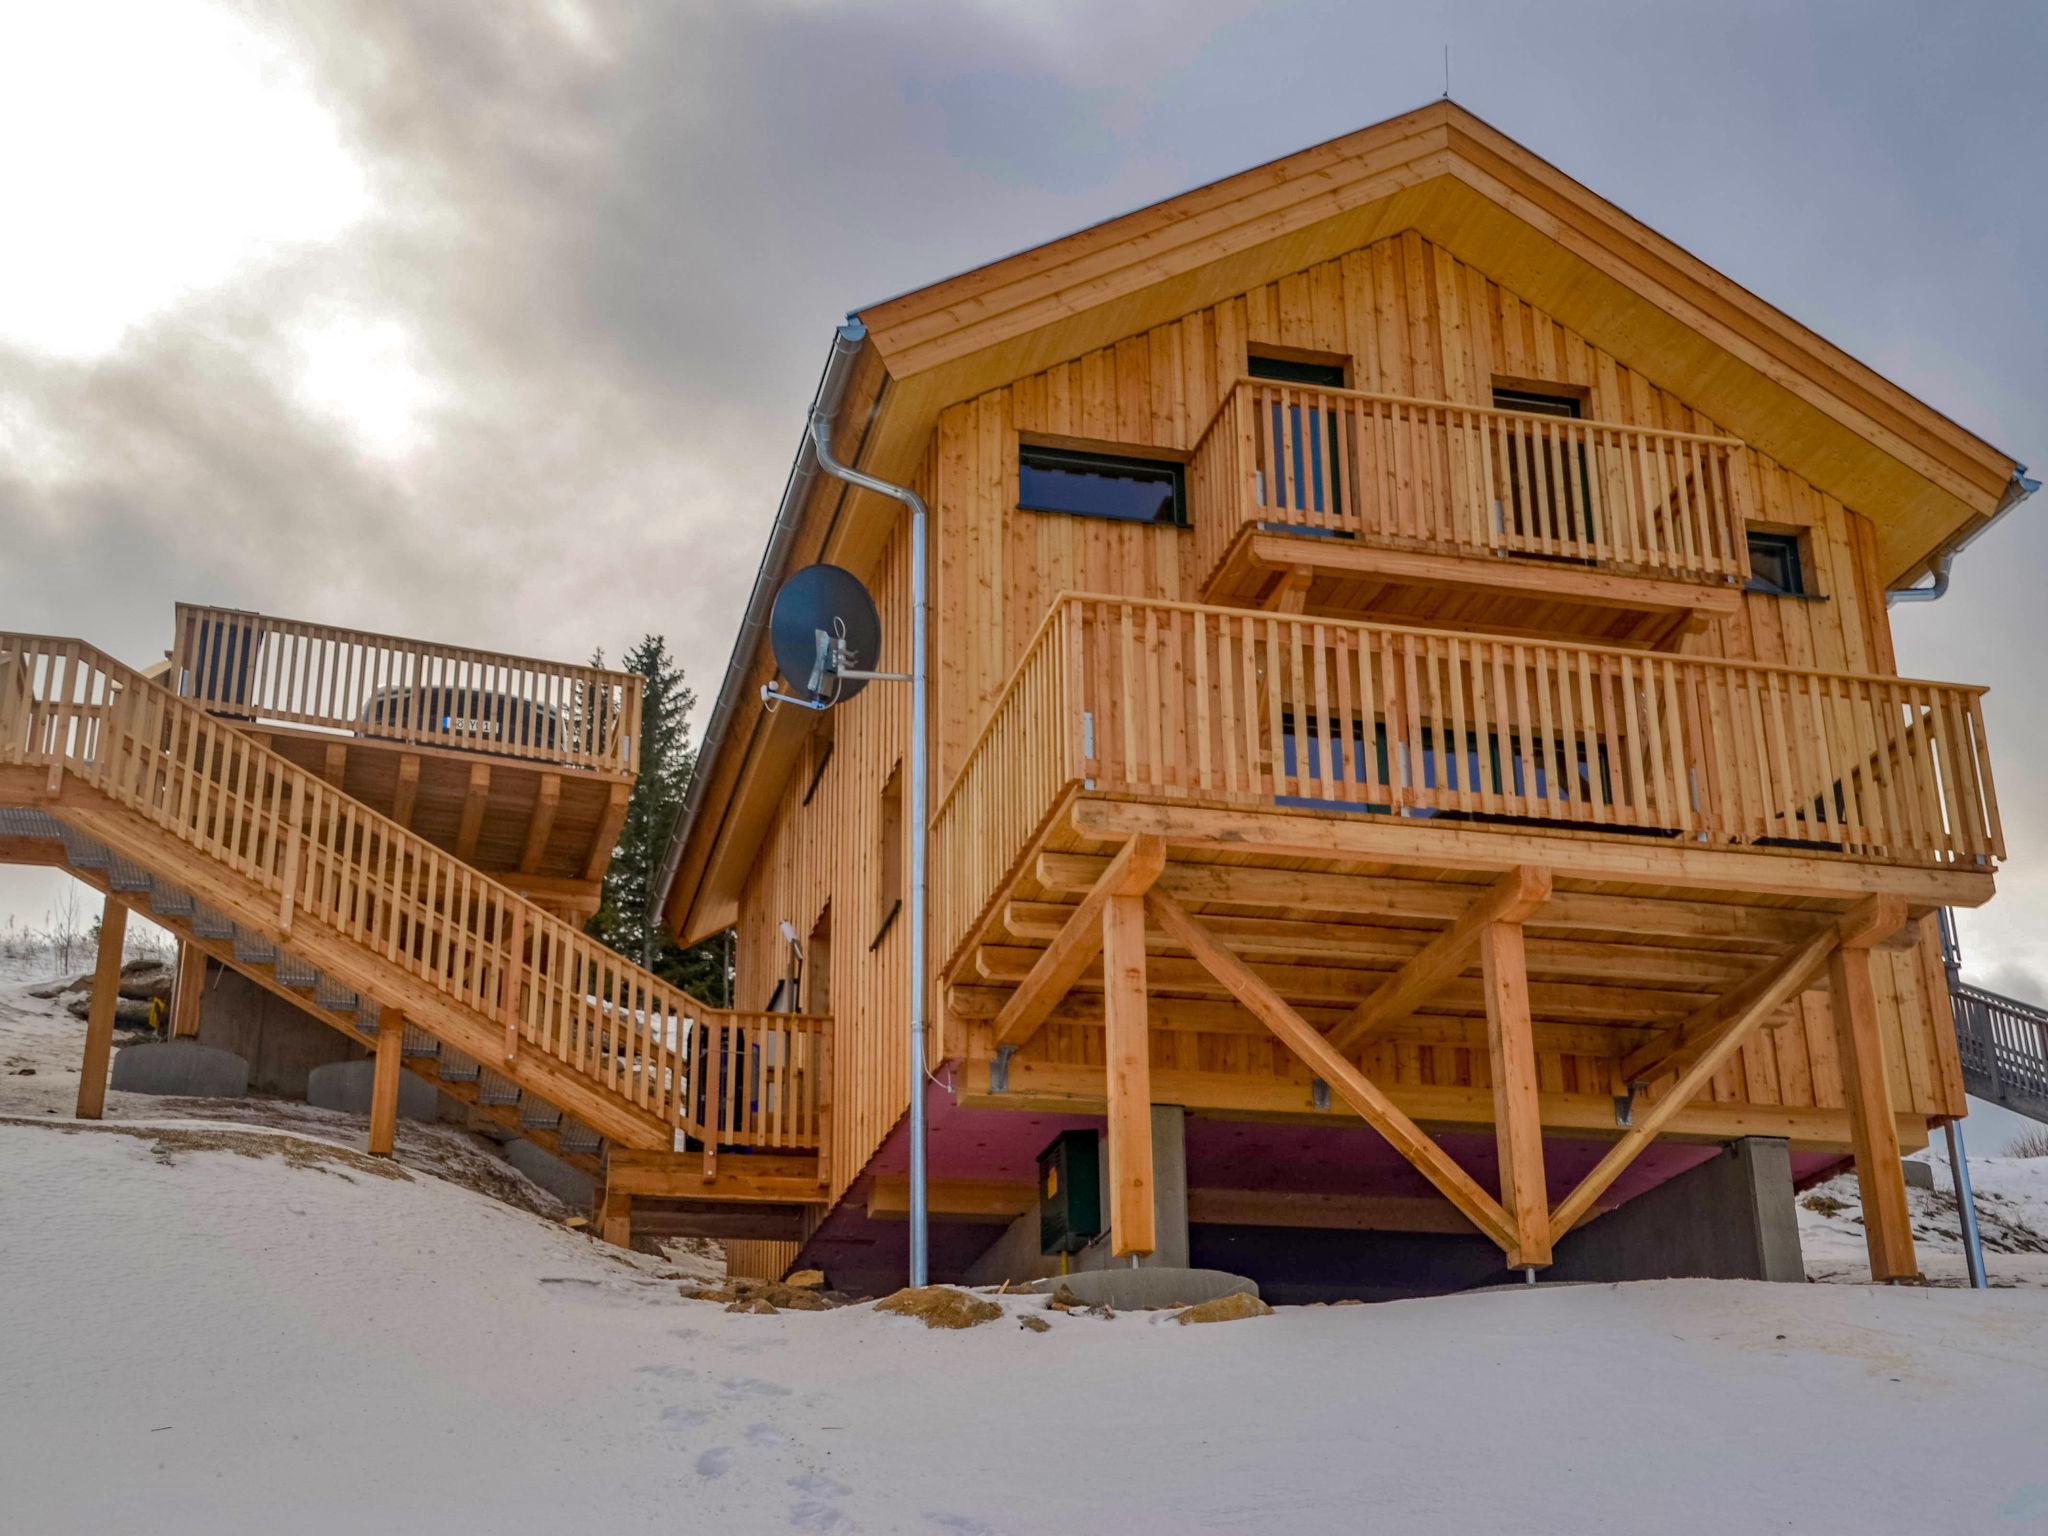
{"x": 520, "y": 767}
{"x": 1266, "y": 865}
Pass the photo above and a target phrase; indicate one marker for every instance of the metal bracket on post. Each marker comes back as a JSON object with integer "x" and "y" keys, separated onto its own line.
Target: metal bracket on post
{"x": 1625, "y": 1106}
{"x": 999, "y": 1069}
{"x": 1319, "y": 1094}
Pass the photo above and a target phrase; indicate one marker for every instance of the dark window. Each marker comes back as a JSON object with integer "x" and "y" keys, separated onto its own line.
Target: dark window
{"x": 889, "y": 856}
{"x": 1307, "y": 445}
{"x": 1538, "y": 404}
{"x": 1101, "y": 485}
{"x": 1522, "y": 509}
{"x": 1285, "y": 370}
{"x": 1774, "y": 564}
{"x": 1578, "y": 771}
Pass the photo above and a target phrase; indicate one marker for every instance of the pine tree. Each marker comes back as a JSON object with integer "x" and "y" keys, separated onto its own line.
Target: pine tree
{"x": 627, "y": 917}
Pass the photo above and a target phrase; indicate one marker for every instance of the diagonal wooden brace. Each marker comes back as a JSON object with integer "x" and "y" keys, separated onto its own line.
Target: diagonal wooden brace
{"x": 1131, "y": 873}
{"x": 1345, "y": 1080}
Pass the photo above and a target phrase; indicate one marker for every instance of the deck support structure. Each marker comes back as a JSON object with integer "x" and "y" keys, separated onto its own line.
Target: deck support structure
{"x": 1880, "y": 1177}
{"x": 1133, "y": 1224}
{"x": 188, "y": 991}
{"x": 1517, "y": 1113}
{"x": 1346, "y": 1081}
{"x": 384, "y": 1082}
{"x": 99, "y": 1018}
{"x": 1130, "y": 874}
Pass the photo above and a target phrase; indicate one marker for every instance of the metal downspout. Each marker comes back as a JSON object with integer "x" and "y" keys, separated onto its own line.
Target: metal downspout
{"x": 1958, "y": 1157}
{"x": 2017, "y": 490}
{"x": 918, "y": 811}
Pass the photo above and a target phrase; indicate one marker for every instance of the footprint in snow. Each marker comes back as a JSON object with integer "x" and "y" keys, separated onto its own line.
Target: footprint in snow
{"x": 715, "y": 1462}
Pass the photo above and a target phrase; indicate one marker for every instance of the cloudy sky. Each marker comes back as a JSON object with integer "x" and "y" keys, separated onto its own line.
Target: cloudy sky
{"x": 494, "y": 322}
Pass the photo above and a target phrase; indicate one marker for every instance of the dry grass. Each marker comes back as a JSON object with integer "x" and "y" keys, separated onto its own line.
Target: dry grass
{"x": 2032, "y": 1142}
{"x": 940, "y": 1306}
{"x": 167, "y": 1142}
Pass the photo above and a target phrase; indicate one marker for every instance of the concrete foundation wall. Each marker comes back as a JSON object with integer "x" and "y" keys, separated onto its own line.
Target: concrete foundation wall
{"x": 182, "y": 1067}
{"x": 1731, "y": 1218}
{"x": 281, "y": 1043}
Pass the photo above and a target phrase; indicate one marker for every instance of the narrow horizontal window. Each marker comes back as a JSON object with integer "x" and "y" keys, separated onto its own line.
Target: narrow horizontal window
{"x": 1129, "y": 490}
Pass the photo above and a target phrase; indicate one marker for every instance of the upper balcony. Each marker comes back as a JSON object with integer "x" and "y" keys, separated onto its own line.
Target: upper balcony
{"x": 1422, "y": 511}
{"x": 520, "y": 767}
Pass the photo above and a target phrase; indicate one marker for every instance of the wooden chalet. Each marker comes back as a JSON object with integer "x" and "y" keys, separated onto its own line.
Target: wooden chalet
{"x": 1411, "y": 691}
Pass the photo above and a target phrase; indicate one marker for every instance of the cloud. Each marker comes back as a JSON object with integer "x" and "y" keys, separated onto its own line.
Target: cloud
{"x": 510, "y": 309}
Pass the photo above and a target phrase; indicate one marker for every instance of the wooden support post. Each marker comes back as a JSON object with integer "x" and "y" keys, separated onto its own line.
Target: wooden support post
{"x": 512, "y": 1005}
{"x": 547, "y": 800}
{"x": 188, "y": 991}
{"x": 384, "y": 1082}
{"x": 1127, "y": 1048}
{"x": 99, "y": 1020}
{"x": 408, "y": 790}
{"x": 615, "y": 1216}
{"x": 1517, "y": 1117}
{"x": 1880, "y": 1177}
{"x": 474, "y": 800}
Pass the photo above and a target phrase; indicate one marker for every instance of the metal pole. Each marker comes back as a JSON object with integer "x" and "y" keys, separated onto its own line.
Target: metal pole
{"x": 1966, "y": 1203}
{"x": 850, "y": 336}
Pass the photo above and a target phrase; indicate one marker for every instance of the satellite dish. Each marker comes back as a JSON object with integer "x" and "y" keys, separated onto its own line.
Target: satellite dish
{"x": 825, "y": 634}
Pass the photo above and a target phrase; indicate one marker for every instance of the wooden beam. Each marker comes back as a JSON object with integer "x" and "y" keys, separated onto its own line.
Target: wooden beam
{"x": 1517, "y": 1114}
{"x": 334, "y": 762}
{"x": 188, "y": 991}
{"x": 1871, "y": 920}
{"x": 408, "y": 789}
{"x": 1127, "y": 1047}
{"x": 982, "y": 1202}
{"x": 1374, "y": 943}
{"x": 1436, "y": 846}
{"x": 1880, "y": 1177}
{"x": 99, "y": 1018}
{"x": 384, "y": 1082}
{"x": 1290, "y": 593}
{"x": 1766, "y": 929}
{"x": 1511, "y": 898}
{"x": 1069, "y": 1088}
{"x": 1786, "y": 980}
{"x": 474, "y": 799}
{"x": 1353, "y": 1086}
{"x": 607, "y": 840}
{"x": 1130, "y": 873}
{"x": 542, "y": 827}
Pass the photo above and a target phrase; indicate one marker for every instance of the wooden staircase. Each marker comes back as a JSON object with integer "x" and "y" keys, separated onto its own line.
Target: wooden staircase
{"x": 277, "y": 873}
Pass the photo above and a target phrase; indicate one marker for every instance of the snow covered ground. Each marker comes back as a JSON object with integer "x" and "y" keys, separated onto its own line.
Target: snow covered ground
{"x": 2012, "y": 1215}
{"x": 213, "y": 1319}
{"x": 208, "y": 1340}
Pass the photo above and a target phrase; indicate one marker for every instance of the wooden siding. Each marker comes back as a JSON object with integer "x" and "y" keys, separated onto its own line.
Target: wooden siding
{"x": 827, "y": 852}
{"x": 1409, "y": 320}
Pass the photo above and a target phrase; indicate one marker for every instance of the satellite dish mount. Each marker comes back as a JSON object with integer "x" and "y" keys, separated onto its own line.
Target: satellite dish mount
{"x": 823, "y": 626}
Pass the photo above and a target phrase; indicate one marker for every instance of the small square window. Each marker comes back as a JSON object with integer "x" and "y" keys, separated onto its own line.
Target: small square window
{"x": 1288, "y": 370}
{"x": 1111, "y": 485}
{"x": 1775, "y": 565}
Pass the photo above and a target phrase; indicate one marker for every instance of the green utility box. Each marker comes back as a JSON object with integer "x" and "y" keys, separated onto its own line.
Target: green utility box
{"x": 1070, "y": 1192}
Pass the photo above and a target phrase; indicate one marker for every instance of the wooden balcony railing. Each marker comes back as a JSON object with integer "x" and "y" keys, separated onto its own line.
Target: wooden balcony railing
{"x": 1234, "y": 708}
{"x": 1468, "y": 480}
{"x": 251, "y": 666}
{"x": 331, "y": 876}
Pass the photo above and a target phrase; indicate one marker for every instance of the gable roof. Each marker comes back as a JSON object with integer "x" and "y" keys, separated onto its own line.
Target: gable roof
{"x": 1924, "y": 481}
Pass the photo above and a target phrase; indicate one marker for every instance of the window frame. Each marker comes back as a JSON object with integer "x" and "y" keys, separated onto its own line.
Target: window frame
{"x": 1082, "y": 457}
{"x": 1794, "y": 542}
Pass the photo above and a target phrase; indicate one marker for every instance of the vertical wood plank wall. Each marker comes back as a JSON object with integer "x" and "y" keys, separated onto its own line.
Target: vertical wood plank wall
{"x": 1413, "y": 321}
